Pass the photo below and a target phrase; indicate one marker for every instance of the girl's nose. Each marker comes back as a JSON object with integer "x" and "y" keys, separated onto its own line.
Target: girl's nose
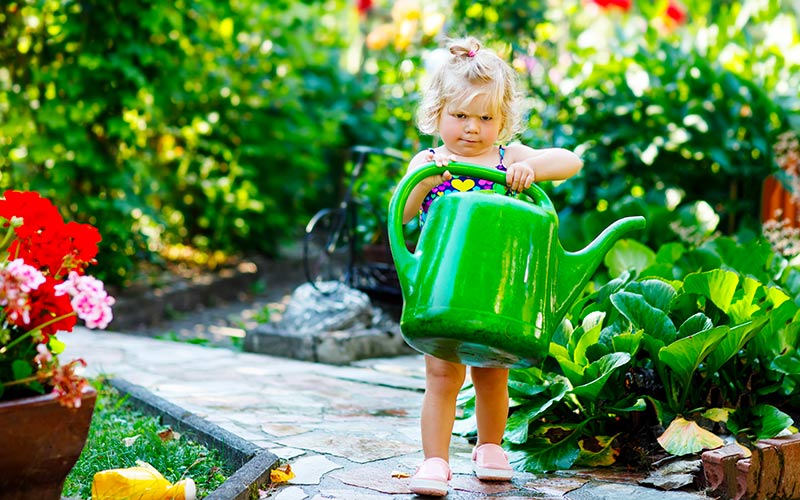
{"x": 472, "y": 125}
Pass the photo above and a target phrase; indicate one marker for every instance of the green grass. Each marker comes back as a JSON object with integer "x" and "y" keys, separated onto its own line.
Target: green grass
{"x": 116, "y": 419}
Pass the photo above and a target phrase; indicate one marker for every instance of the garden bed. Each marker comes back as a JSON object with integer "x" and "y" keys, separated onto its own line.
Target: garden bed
{"x": 250, "y": 464}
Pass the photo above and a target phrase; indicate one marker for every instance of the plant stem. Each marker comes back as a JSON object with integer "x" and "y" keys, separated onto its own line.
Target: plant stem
{"x": 35, "y": 330}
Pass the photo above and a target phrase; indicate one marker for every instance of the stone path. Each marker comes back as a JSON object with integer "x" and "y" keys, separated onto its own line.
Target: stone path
{"x": 347, "y": 431}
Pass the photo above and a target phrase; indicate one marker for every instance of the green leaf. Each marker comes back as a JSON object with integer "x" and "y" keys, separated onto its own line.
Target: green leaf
{"x": 591, "y": 327}
{"x": 525, "y": 382}
{"x": 733, "y": 342}
{"x": 771, "y": 420}
{"x": 643, "y": 316}
{"x": 685, "y": 437}
{"x": 21, "y": 369}
{"x": 742, "y": 308}
{"x": 718, "y": 285}
{"x": 694, "y": 324}
{"x": 540, "y": 454}
{"x": 637, "y": 405}
{"x": 600, "y": 371}
{"x": 684, "y": 355}
{"x": 628, "y": 255}
{"x": 670, "y": 253}
{"x": 519, "y": 421}
{"x": 627, "y": 342}
{"x": 56, "y": 346}
{"x": 657, "y": 293}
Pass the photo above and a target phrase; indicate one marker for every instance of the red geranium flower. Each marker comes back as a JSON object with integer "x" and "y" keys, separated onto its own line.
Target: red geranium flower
{"x": 43, "y": 292}
{"x": 47, "y": 306}
{"x": 624, "y": 5}
{"x": 676, "y": 12}
{"x": 363, "y": 6}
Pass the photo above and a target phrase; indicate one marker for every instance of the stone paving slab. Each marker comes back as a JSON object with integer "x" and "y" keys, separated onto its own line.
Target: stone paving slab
{"x": 353, "y": 430}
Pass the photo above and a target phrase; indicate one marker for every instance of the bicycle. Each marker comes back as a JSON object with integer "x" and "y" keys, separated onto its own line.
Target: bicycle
{"x": 338, "y": 240}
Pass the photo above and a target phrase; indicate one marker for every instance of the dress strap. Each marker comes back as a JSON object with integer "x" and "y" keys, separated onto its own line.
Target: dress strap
{"x": 501, "y": 166}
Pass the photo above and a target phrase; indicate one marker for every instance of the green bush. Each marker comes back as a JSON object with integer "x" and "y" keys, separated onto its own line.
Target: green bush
{"x": 194, "y": 122}
{"x": 693, "y": 343}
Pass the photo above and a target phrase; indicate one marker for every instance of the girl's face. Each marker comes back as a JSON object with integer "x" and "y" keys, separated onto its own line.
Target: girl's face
{"x": 470, "y": 129}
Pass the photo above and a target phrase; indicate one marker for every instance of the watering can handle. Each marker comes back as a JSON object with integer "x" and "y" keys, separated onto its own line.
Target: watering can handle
{"x": 406, "y": 185}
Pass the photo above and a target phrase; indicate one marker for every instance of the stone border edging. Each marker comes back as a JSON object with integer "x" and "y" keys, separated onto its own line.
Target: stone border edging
{"x": 252, "y": 464}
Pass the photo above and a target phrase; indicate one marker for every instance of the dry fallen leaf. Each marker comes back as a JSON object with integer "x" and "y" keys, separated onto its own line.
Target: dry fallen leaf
{"x": 281, "y": 474}
{"x": 130, "y": 440}
{"x": 169, "y": 435}
{"x": 400, "y": 475}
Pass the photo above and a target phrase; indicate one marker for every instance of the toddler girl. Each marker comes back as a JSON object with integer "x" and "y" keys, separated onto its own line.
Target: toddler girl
{"x": 473, "y": 104}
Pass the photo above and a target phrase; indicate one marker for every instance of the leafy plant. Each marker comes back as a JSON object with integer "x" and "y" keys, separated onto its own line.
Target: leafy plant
{"x": 692, "y": 344}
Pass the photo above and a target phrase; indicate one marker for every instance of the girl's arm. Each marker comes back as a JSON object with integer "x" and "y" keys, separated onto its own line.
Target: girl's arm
{"x": 414, "y": 201}
{"x": 526, "y": 165}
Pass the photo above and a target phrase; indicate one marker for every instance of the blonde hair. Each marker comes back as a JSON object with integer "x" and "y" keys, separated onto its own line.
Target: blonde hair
{"x": 470, "y": 71}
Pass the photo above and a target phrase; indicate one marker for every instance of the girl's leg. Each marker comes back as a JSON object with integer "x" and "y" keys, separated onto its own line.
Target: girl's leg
{"x": 443, "y": 380}
{"x": 491, "y": 403}
{"x": 489, "y": 461}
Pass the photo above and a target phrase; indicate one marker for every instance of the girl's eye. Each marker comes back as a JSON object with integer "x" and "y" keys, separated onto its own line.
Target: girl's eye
{"x": 486, "y": 118}
{"x": 460, "y": 115}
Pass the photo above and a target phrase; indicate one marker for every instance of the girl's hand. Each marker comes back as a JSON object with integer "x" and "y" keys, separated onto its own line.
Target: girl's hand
{"x": 520, "y": 176}
{"x": 440, "y": 160}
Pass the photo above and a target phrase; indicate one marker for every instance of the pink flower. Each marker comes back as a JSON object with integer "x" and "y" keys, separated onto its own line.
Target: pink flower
{"x": 17, "y": 280}
{"x": 88, "y": 298}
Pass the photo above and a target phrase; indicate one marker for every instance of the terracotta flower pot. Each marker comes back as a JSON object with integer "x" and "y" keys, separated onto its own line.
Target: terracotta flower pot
{"x": 778, "y": 204}
{"x": 40, "y": 441}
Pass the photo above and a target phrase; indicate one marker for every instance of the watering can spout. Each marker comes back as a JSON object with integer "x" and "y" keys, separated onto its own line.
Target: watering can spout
{"x": 577, "y": 268}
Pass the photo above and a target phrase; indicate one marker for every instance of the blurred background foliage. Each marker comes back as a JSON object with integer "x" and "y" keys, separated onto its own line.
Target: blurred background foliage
{"x": 221, "y": 126}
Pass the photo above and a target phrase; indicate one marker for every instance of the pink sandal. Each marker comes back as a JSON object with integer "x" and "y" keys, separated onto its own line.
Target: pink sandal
{"x": 431, "y": 478}
{"x": 490, "y": 463}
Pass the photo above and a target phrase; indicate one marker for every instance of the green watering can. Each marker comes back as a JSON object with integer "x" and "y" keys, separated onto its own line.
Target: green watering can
{"x": 489, "y": 281}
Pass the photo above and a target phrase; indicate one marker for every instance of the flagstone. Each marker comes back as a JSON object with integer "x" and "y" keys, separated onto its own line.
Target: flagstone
{"x": 355, "y": 448}
{"x": 471, "y": 483}
{"x": 349, "y": 495}
{"x": 291, "y": 493}
{"x": 309, "y": 470}
{"x": 283, "y": 452}
{"x": 373, "y": 478}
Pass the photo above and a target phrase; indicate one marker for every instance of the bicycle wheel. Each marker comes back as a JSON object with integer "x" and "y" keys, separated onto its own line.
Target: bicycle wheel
{"x": 326, "y": 250}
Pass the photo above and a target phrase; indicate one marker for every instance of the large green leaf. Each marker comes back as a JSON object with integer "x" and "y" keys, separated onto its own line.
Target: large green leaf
{"x": 519, "y": 421}
{"x": 684, "y": 355}
{"x": 591, "y": 327}
{"x": 627, "y": 342}
{"x": 643, "y": 316}
{"x": 694, "y": 324}
{"x": 540, "y": 454}
{"x": 627, "y": 255}
{"x": 733, "y": 342}
{"x": 718, "y": 285}
{"x": 597, "y": 374}
{"x": 526, "y": 382}
{"x": 657, "y": 293}
{"x": 572, "y": 370}
{"x": 743, "y": 308}
{"x": 773, "y": 421}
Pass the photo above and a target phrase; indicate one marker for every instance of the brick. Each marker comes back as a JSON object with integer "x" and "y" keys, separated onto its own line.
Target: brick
{"x": 745, "y": 483}
{"x": 719, "y": 468}
{"x": 788, "y": 449}
{"x": 770, "y": 470}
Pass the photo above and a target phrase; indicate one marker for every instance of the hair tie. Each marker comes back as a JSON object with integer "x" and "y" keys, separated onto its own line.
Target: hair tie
{"x": 471, "y": 53}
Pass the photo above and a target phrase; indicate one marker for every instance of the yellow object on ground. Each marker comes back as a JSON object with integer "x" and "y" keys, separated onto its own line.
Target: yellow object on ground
{"x": 142, "y": 482}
